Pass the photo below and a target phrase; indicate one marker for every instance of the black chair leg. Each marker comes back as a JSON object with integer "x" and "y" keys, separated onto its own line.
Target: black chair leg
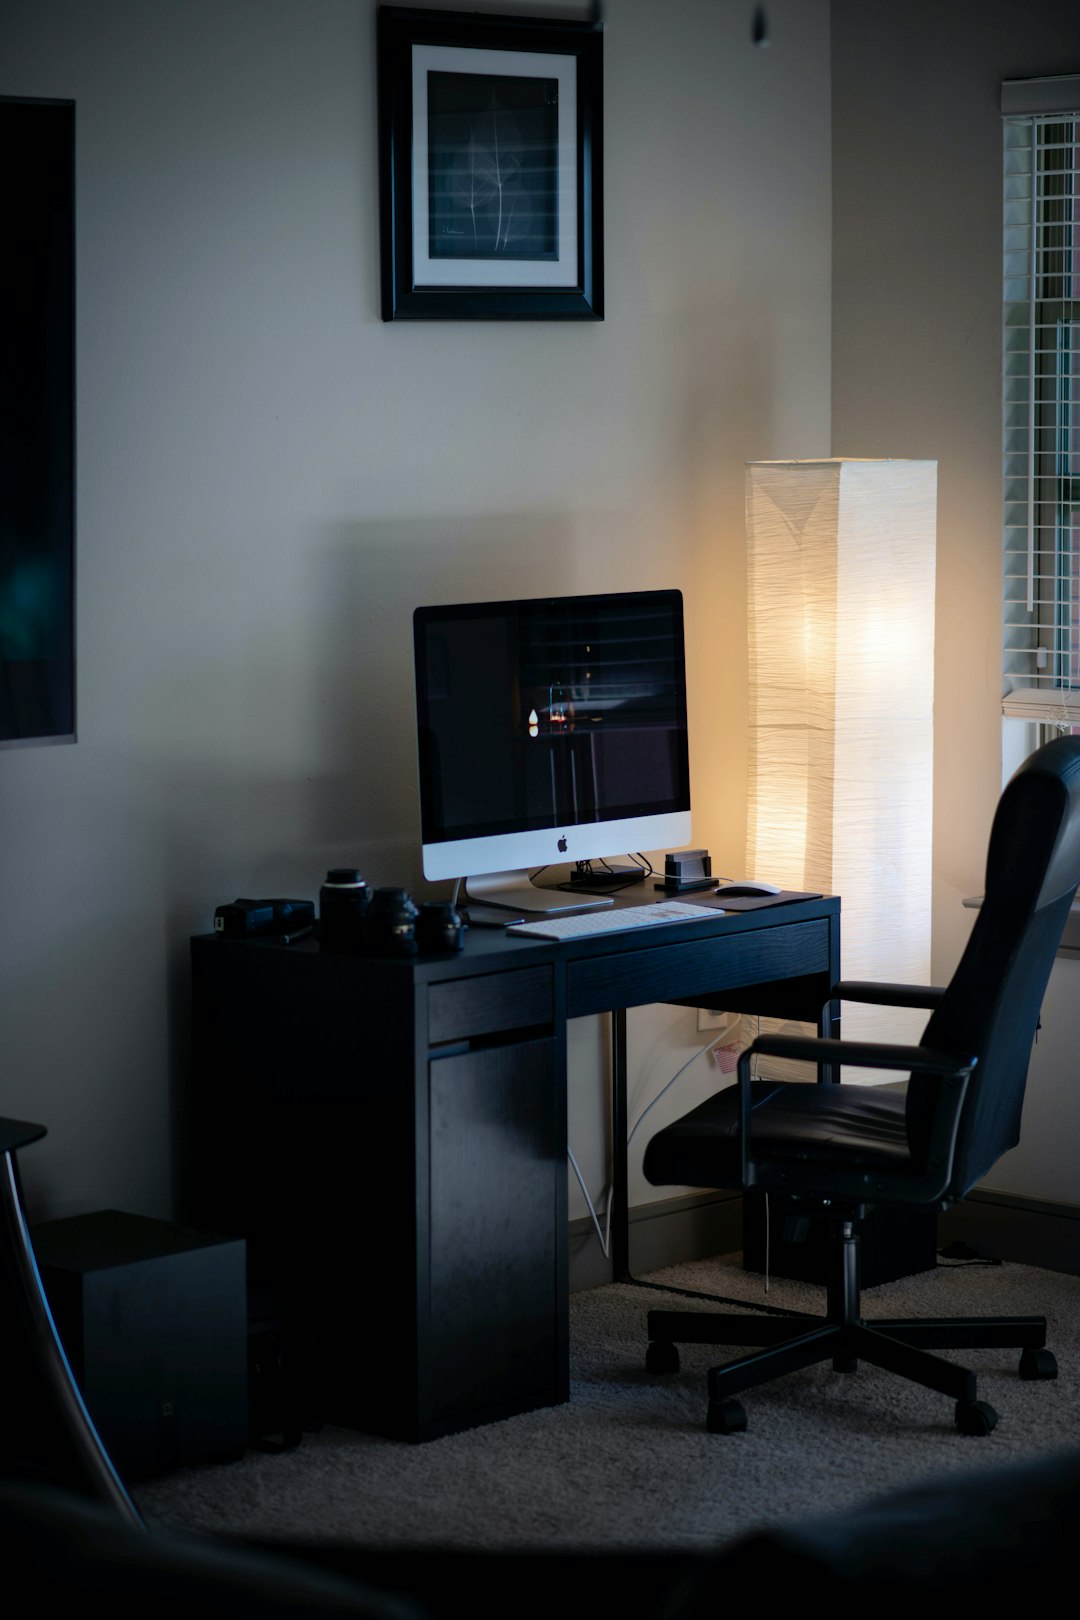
{"x": 748, "y": 1371}
{"x": 966, "y": 1332}
{"x": 893, "y": 1355}
{"x": 707, "y": 1327}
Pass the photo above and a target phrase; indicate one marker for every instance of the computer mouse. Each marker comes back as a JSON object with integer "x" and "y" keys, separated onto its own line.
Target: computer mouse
{"x": 738, "y": 891}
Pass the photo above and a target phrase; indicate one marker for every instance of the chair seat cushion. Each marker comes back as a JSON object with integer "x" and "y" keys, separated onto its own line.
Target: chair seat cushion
{"x": 855, "y": 1126}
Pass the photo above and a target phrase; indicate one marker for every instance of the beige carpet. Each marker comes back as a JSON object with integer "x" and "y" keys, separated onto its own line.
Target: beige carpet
{"x": 627, "y": 1462}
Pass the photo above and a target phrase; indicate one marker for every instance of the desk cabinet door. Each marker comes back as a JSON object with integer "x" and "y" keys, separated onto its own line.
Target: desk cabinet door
{"x": 496, "y": 1171}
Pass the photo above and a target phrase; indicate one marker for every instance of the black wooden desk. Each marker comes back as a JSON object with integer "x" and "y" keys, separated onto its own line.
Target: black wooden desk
{"x": 390, "y": 1138}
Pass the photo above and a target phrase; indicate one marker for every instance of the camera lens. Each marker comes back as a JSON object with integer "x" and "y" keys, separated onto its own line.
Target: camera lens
{"x": 391, "y": 923}
{"x": 439, "y": 927}
{"x": 343, "y": 905}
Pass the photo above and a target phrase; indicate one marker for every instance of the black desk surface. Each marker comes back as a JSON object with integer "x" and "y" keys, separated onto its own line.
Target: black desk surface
{"x": 492, "y": 949}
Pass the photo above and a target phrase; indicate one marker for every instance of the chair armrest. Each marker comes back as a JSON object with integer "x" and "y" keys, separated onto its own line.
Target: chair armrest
{"x": 930, "y": 1186}
{"x": 887, "y": 995}
{"x": 866, "y": 1054}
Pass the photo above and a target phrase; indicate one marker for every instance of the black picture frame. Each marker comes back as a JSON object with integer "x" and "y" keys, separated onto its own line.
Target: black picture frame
{"x": 490, "y": 166}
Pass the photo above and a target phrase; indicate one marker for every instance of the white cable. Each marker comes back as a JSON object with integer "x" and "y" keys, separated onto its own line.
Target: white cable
{"x": 588, "y": 1200}
{"x": 604, "y": 1235}
{"x": 667, "y": 1087}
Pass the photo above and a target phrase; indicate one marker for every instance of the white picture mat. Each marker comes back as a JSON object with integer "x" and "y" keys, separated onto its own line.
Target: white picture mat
{"x": 560, "y": 272}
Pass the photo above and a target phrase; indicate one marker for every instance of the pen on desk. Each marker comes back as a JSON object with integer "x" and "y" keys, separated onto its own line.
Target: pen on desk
{"x": 290, "y": 939}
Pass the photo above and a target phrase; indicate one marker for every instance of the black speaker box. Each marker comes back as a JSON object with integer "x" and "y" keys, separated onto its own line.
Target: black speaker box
{"x": 153, "y": 1318}
{"x": 893, "y": 1243}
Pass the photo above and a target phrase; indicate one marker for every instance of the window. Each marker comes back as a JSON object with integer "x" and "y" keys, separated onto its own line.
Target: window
{"x": 1041, "y": 353}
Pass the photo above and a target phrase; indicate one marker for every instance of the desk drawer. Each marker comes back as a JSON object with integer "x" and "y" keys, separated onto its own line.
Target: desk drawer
{"x": 678, "y": 972}
{"x": 490, "y": 1003}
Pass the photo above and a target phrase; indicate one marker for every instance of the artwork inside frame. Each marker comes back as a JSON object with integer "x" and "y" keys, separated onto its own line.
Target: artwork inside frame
{"x": 37, "y": 423}
{"x": 491, "y": 181}
{"x": 492, "y": 167}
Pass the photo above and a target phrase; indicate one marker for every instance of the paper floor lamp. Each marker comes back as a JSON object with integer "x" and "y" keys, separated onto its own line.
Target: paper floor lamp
{"x": 840, "y": 566}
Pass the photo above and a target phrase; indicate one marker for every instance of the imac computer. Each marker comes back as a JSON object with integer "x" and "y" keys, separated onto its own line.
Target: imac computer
{"x": 549, "y": 730}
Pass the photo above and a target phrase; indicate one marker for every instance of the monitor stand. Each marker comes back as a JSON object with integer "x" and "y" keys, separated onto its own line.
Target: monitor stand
{"x": 514, "y": 892}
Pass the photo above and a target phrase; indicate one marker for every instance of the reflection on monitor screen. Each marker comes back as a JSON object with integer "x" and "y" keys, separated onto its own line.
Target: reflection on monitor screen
{"x": 550, "y": 730}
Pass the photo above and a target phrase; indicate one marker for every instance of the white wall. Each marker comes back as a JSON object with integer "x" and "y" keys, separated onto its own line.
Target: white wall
{"x": 917, "y": 372}
{"x": 270, "y": 479}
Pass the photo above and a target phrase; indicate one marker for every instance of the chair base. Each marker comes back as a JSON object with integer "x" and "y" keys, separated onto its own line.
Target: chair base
{"x": 786, "y": 1344}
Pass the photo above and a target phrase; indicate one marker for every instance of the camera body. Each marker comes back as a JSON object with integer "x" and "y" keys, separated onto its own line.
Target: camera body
{"x": 248, "y": 919}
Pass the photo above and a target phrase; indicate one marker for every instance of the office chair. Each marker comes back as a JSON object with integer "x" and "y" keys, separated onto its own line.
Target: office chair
{"x": 46, "y": 1432}
{"x": 836, "y": 1149}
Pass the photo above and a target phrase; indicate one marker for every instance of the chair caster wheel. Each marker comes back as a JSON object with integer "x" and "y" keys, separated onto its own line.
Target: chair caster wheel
{"x": 975, "y": 1417}
{"x": 1038, "y": 1364}
{"x": 661, "y": 1357}
{"x": 726, "y": 1417}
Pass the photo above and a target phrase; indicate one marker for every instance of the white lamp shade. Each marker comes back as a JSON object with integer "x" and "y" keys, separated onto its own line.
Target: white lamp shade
{"x": 840, "y": 578}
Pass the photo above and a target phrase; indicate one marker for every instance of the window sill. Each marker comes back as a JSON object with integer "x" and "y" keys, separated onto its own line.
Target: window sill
{"x": 1070, "y": 937}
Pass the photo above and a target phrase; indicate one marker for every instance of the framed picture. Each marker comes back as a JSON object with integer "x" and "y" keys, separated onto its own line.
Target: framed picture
{"x": 491, "y": 180}
{"x": 37, "y": 423}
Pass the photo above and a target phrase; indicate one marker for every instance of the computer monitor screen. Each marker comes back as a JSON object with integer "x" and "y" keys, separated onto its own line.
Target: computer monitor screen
{"x": 550, "y": 730}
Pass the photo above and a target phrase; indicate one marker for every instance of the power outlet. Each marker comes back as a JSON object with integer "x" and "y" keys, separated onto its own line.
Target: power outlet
{"x": 708, "y": 1020}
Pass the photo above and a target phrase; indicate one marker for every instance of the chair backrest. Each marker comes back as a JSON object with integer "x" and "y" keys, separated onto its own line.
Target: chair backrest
{"x": 991, "y": 1006}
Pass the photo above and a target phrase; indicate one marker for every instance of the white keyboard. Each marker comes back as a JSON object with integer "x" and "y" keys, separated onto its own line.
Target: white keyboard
{"x": 584, "y": 924}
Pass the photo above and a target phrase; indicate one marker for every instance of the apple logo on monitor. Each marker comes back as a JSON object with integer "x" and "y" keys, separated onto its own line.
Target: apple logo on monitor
{"x": 562, "y": 846}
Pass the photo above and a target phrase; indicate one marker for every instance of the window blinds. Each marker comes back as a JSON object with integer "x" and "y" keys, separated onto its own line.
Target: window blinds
{"x": 1041, "y": 399}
